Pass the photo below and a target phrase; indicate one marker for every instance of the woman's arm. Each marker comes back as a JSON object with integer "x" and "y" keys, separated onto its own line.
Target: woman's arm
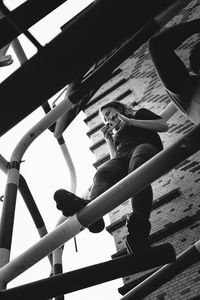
{"x": 159, "y": 125}
{"x": 111, "y": 147}
{"x": 109, "y": 140}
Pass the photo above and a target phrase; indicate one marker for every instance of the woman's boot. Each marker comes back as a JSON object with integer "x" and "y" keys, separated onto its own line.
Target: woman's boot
{"x": 70, "y": 204}
{"x": 139, "y": 228}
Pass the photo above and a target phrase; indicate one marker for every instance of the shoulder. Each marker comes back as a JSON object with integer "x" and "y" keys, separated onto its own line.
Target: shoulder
{"x": 142, "y": 110}
{"x": 145, "y": 113}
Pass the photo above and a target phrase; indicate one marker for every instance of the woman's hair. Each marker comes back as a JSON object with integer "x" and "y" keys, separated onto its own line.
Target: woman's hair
{"x": 195, "y": 58}
{"x": 122, "y": 108}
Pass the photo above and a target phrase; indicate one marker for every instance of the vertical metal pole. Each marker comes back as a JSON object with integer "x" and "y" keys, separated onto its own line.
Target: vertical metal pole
{"x": 8, "y": 211}
{"x": 29, "y": 201}
{"x": 7, "y": 218}
{"x": 57, "y": 254}
{"x": 33, "y": 209}
{"x": 68, "y": 159}
{"x": 17, "y": 47}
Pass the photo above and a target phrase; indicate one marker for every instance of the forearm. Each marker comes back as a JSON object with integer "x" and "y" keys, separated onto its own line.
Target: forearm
{"x": 159, "y": 125}
{"x": 111, "y": 147}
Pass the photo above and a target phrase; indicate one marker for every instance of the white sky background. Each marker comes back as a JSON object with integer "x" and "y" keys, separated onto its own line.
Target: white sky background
{"x": 45, "y": 171}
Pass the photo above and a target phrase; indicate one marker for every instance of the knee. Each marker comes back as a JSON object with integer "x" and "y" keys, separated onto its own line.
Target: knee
{"x": 103, "y": 175}
{"x": 107, "y": 176}
{"x": 137, "y": 162}
{"x": 134, "y": 165}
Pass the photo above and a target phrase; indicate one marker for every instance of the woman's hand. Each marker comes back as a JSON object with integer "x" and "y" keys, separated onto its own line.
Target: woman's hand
{"x": 124, "y": 121}
{"x": 106, "y": 132}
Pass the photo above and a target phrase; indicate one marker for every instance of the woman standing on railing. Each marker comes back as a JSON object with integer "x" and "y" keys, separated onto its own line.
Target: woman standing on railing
{"x": 132, "y": 139}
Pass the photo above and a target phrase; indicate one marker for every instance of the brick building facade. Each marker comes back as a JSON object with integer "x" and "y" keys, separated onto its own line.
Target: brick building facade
{"x": 175, "y": 216}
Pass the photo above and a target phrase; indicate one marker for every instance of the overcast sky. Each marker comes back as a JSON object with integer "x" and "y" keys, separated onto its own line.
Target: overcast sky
{"x": 45, "y": 171}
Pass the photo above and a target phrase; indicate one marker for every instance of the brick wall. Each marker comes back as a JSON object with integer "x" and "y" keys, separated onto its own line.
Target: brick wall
{"x": 136, "y": 82}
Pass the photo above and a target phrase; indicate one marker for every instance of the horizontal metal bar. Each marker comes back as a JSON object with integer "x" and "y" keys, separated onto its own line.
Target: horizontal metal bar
{"x": 166, "y": 273}
{"x": 92, "y": 275}
{"x": 26, "y": 15}
{"x": 72, "y": 53}
{"x": 157, "y": 166}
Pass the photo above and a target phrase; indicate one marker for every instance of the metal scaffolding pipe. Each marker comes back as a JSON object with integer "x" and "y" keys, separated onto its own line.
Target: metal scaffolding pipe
{"x": 103, "y": 204}
{"x": 13, "y": 175}
{"x": 4, "y": 50}
{"x": 29, "y": 201}
{"x": 32, "y": 207}
{"x": 26, "y": 15}
{"x": 57, "y": 254}
{"x": 17, "y": 47}
{"x": 70, "y": 164}
{"x": 166, "y": 273}
{"x": 26, "y": 195}
{"x": 64, "y": 121}
{"x": 100, "y": 18}
{"x": 92, "y": 275}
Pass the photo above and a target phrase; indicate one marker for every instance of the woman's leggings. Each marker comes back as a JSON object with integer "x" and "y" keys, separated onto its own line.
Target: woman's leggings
{"x": 117, "y": 168}
{"x": 171, "y": 70}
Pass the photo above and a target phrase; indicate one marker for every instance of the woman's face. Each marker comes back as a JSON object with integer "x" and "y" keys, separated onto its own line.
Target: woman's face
{"x": 108, "y": 114}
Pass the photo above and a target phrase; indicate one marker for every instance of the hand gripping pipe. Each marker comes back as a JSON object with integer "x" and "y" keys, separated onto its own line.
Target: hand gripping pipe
{"x": 157, "y": 166}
